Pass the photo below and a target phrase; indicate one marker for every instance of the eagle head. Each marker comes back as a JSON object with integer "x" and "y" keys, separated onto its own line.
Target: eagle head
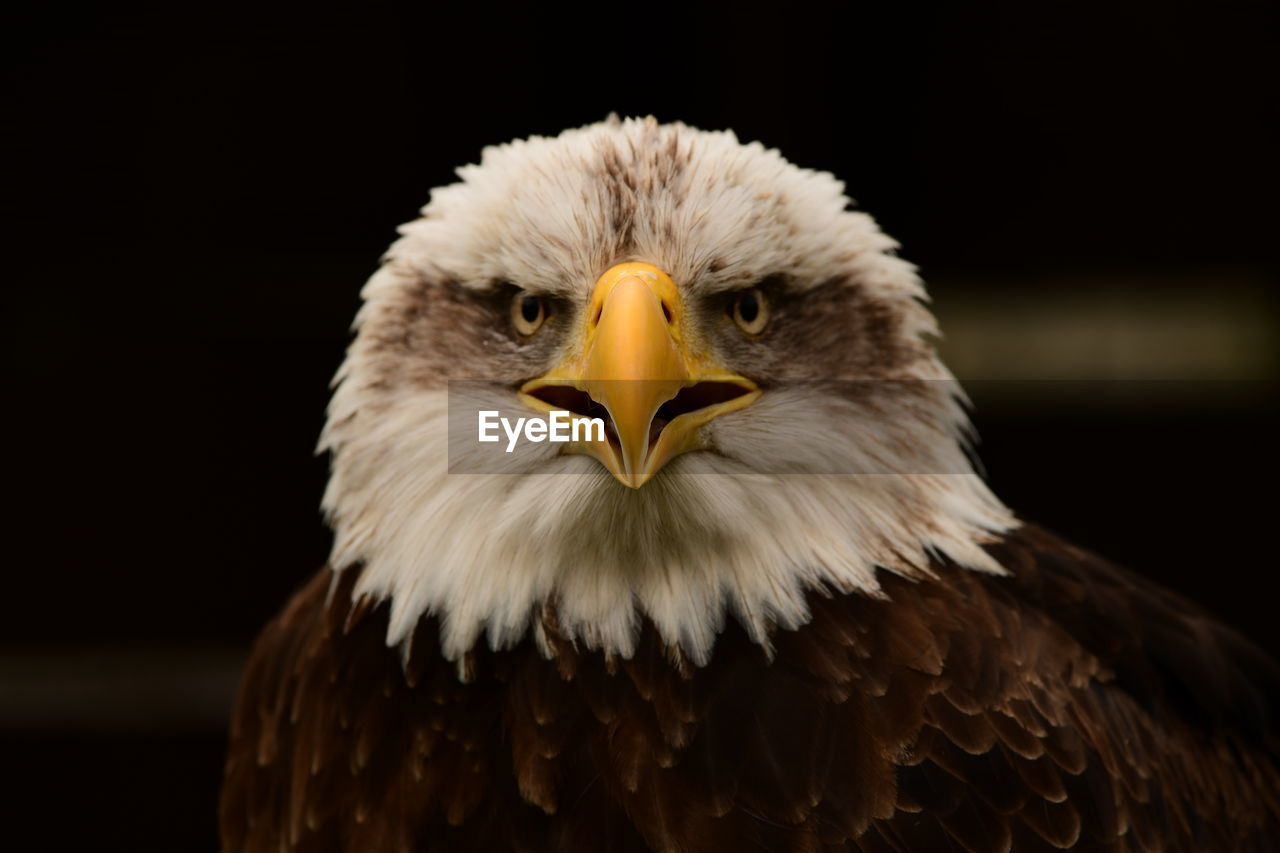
{"x": 777, "y": 418}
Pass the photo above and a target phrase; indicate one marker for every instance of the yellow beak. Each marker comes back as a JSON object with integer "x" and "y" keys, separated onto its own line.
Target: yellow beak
{"x": 632, "y": 356}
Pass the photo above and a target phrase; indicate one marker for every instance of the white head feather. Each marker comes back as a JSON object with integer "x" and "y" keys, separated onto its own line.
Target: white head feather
{"x": 743, "y": 532}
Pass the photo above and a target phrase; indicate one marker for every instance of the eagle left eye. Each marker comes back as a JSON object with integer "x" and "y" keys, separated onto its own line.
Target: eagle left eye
{"x": 750, "y": 311}
{"x": 528, "y": 313}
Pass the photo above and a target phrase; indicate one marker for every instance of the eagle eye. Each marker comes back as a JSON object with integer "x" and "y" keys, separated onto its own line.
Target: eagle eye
{"x": 750, "y": 311}
{"x": 528, "y": 313}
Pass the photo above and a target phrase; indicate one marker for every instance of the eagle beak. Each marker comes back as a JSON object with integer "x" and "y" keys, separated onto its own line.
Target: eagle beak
{"x": 633, "y": 360}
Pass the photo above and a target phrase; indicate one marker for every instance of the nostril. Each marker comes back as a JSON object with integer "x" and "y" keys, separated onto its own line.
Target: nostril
{"x": 666, "y": 310}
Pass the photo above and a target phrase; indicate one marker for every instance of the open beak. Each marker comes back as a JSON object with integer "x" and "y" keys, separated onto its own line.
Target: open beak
{"x": 634, "y": 364}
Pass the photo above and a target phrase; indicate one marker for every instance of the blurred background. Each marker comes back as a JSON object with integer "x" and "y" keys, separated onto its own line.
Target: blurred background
{"x": 195, "y": 196}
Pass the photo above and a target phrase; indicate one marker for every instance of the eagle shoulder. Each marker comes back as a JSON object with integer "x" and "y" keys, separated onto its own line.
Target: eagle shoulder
{"x": 1069, "y": 704}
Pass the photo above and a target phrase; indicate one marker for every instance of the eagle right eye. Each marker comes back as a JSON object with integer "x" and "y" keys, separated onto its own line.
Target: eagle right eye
{"x": 528, "y": 313}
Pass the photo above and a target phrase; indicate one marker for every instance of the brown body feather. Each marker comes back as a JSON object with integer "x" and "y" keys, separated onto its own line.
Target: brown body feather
{"x": 1067, "y": 705}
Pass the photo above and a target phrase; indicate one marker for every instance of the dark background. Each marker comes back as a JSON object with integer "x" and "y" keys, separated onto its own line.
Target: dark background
{"x": 194, "y": 198}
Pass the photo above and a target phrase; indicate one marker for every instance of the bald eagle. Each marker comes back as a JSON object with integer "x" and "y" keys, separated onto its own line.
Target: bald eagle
{"x": 774, "y": 608}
